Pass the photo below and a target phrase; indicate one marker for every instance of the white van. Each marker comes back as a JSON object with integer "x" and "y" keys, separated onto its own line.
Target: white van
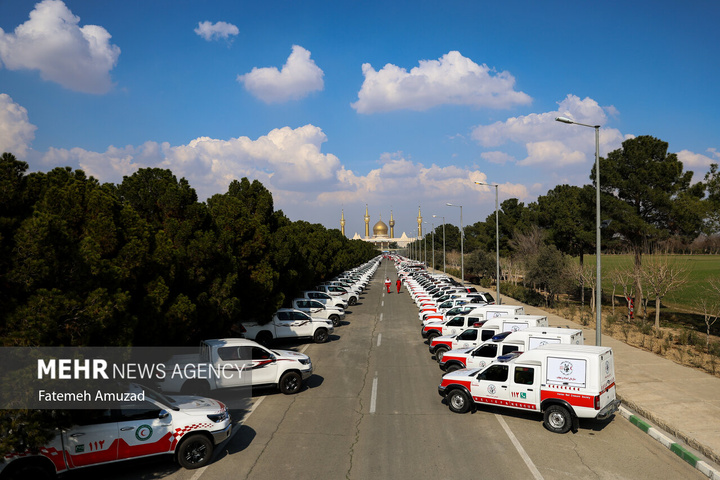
{"x": 505, "y": 343}
{"x": 565, "y": 382}
{"x": 479, "y": 331}
{"x": 482, "y": 312}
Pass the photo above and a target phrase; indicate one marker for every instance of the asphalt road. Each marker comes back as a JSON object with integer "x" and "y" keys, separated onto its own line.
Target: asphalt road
{"x": 372, "y": 411}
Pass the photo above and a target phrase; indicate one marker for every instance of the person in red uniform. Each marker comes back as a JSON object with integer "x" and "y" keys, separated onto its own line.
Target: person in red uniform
{"x": 387, "y": 284}
{"x": 397, "y": 284}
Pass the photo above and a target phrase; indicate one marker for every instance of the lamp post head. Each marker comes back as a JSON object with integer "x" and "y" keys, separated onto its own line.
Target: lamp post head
{"x": 563, "y": 120}
{"x": 449, "y": 204}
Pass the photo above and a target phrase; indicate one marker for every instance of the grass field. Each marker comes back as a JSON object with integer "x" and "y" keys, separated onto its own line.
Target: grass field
{"x": 700, "y": 269}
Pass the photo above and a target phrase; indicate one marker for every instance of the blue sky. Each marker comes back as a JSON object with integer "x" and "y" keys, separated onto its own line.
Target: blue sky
{"x": 335, "y": 105}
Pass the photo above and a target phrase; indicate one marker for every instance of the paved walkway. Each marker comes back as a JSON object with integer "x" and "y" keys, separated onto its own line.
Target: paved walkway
{"x": 680, "y": 400}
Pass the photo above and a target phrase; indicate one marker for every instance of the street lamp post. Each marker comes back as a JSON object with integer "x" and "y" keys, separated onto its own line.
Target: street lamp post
{"x": 432, "y": 227}
{"x": 425, "y": 261}
{"x": 598, "y": 315}
{"x": 443, "y": 218}
{"x": 462, "y": 248}
{"x": 497, "y": 240}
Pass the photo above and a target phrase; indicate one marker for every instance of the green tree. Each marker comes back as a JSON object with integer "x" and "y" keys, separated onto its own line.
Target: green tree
{"x": 646, "y": 192}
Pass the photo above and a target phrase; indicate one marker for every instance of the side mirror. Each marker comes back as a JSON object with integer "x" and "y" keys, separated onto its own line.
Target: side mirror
{"x": 163, "y": 414}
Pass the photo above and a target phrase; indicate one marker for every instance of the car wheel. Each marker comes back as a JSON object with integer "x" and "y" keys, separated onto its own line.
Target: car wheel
{"x": 195, "y": 451}
{"x": 352, "y": 301}
{"x": 335, "y": 320}
{"x": 320, "y": 336}
{"x": 28, "y": 469}
{"x": 290, "y": 383}
{"x": 440, "y": 353}
{"x": 431, "y": 336}
{"x": 458, "y": 401}
{"x": 453, "y": 367}
{"x": 264, "y": 338}
{"x": 557, "y": 419}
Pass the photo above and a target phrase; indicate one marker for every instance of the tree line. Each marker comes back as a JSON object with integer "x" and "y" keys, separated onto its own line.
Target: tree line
{"x": 648, "y": 203}
{"x": 144, "y": 262}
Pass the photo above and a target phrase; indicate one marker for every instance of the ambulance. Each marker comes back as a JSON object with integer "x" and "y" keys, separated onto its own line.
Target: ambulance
{"x": 563, "y": 382}
{"x": 481, "y": 331}
{"x": 508, "y": 342}
{"x": 187, "y": 427}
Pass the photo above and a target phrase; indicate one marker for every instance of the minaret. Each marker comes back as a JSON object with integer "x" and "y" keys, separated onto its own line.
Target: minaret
{"x": 342, "y": 222}
{"x": 392, "y": 226}
{"x": 367, "y": 222}
{"x": 419, "y": 223}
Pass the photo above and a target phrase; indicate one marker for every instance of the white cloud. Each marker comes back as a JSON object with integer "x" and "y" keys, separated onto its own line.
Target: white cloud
{"x": 16, "y": 131}
{"x": 52, "y": 42}
{"x": 297, "y": 79}
{"x": 215, "y": 31}
{"x": 694, "y": 160}
{"x": 551, "y": 143}
{"x": 452, "y": 79}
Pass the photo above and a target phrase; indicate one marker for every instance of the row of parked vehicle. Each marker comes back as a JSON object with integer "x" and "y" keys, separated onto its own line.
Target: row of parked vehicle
{"x": 497, "y": 355}
{"x": 189, "y": 426}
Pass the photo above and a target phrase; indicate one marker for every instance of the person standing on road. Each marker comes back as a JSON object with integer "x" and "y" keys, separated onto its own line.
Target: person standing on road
{"x": 387, "y": 284}
{"x": 397, "y": 284}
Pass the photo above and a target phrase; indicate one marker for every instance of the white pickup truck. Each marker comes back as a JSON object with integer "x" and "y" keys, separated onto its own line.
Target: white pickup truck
{"x": 188, "y": 428}
{"x": 317, "y": 309}
{"x": 289, "y": 323}
{"x": 233, "y": 363}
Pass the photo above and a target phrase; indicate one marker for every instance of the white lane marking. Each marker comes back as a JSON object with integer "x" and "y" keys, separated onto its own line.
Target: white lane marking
{"x": 379, "y": 338}
{"x": 520, "y": 449}
{"x": 382, "y": 304}
{"x": 381, "y": 315}
{"x": 373, "y": 395}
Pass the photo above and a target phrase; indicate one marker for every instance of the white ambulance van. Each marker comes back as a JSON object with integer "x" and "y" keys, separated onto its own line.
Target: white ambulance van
{"x": 483, "y": 330}
{"x": 508, "y": 342}
{"x": 564, "y": 382}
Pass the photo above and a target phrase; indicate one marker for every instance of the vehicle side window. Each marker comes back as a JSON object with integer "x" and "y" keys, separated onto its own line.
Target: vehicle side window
{"x": 495, "y": 373}
{"x": 509, "y": 348}
{"x": 260, "y": 353}
{"x": 91, "y": 416}
{"x": 315, "y": 305}
{"x": 283, "y": 315}
{"x": 489, "y": 351}
{"x": 524, "y": 375}
{"x": 300, "y": 316}
{"x": 302, "y": 304}
{"x": 456, "y": 322}
{"x": 468, "y": 335}
{"x": 487, "y": 335}
{"x": 138, "y": 411}
{"x": 229, "y": 353}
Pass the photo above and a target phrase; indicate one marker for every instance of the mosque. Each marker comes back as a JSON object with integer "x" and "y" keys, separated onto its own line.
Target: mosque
{"x": 380, "y": 236}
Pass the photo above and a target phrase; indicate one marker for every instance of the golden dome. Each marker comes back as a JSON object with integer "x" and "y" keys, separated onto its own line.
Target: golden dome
{"x": 380, "y": 229}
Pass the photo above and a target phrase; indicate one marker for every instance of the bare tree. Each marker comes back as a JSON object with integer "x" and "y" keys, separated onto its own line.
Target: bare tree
{"x": 710, "y": 307}
{"x": 661, "y": 276}
{"x": 624, "y": 278}
{"x": 585, "y": 275}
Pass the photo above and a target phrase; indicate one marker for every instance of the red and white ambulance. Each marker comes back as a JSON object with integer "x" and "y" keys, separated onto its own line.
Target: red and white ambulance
{"x": 565, "y": 382}
{"x": 507, "y": 342}
{"x": 186, "y": 427}
{"x": 483, "y": 330}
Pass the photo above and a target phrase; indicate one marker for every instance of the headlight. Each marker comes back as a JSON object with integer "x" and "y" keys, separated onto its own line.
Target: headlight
{"x": 304, "y": 361}
{"x": 219, "y": 417}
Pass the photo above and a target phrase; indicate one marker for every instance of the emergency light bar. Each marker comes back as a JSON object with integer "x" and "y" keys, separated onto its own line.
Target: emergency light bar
{"x": 509, "y": 356}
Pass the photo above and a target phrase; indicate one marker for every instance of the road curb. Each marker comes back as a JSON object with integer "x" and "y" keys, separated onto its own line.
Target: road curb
{"x": 704, "y": 467}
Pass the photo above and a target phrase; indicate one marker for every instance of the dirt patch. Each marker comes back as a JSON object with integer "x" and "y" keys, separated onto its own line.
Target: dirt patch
{"x": 681, "y": 345}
